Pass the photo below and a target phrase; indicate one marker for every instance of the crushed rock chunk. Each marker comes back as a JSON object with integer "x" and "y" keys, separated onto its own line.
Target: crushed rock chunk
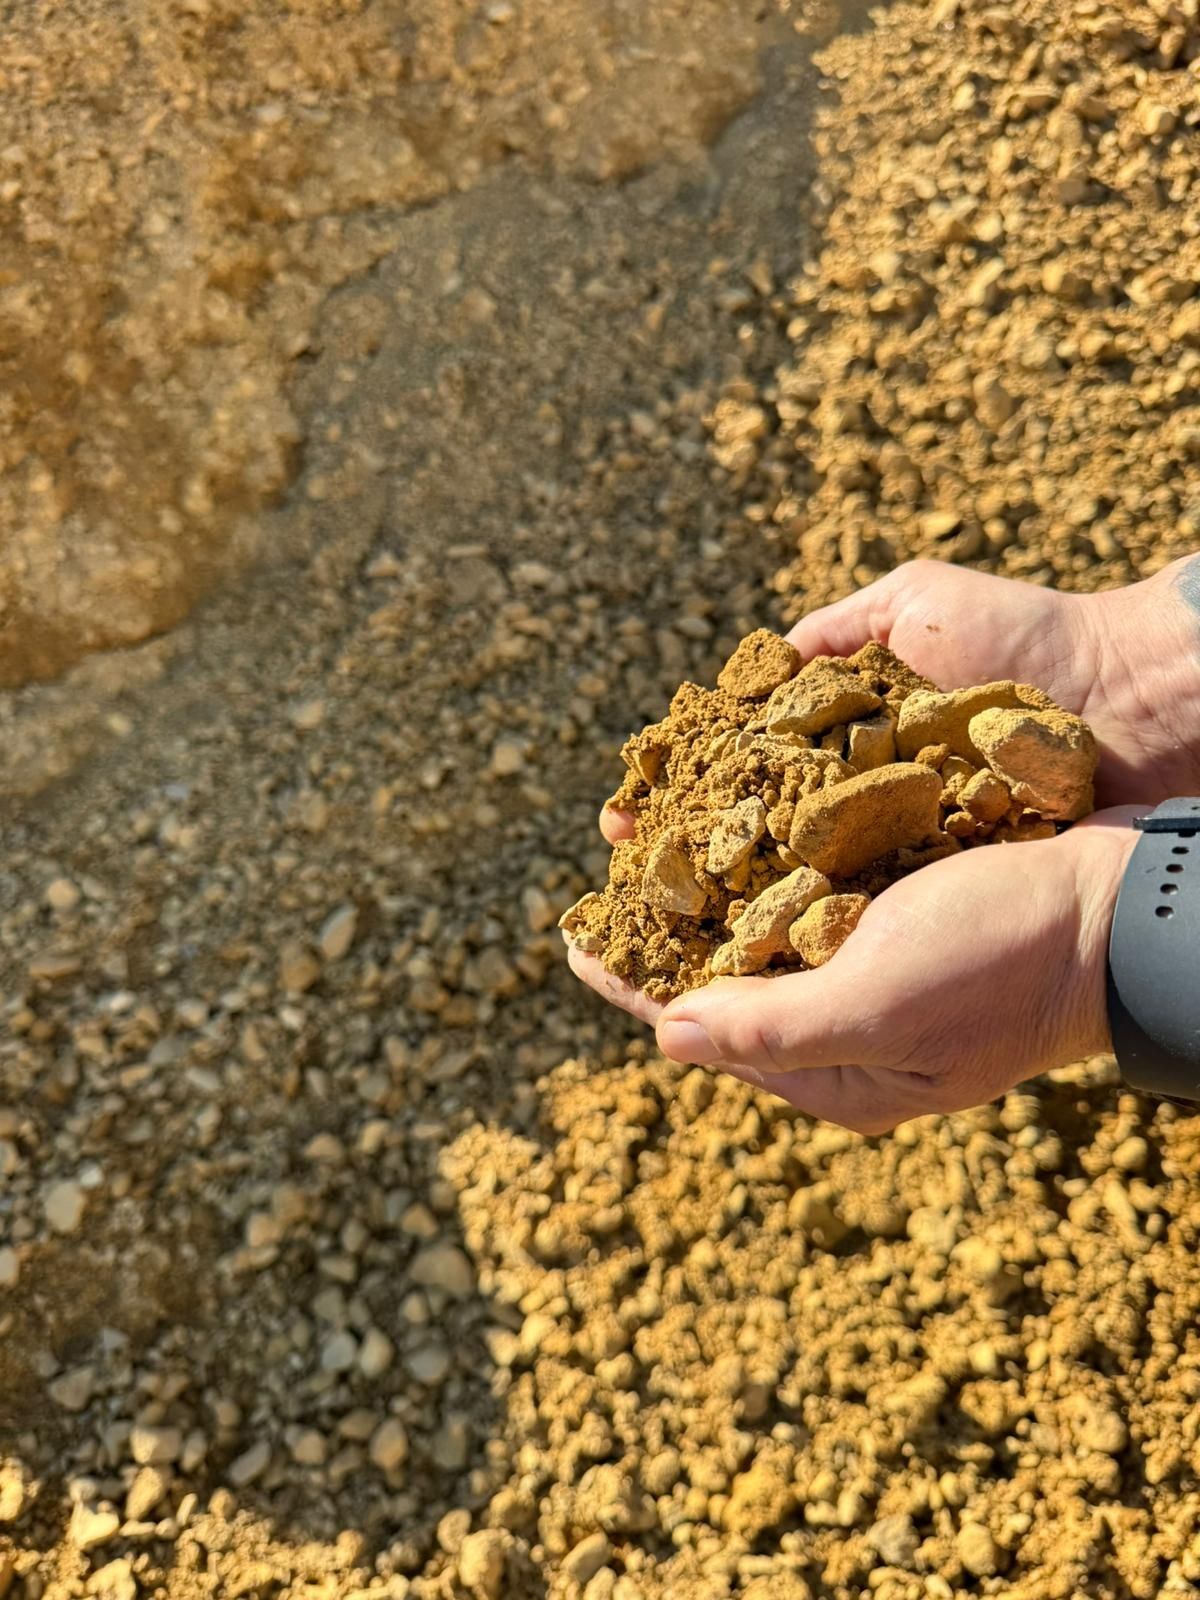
{"x": 844, "y": 829}
{"x": 820, "y": 933}
{"x": 736, "y": 833}
{"x": 761, "y": 931}
{"x": 929, "y": 717}
{"x": 765, "y": 822}
{"x": 669, "y": 883}
{"x": 882, "y": 670}
{"x": 985, "y": 796}
{"x": 827, "y": 691}
{"x": 644, "y": 755}
{"x": 1047, "y": 759}
{"x": 760, "y": 664}
{"x": 871, "y": 744}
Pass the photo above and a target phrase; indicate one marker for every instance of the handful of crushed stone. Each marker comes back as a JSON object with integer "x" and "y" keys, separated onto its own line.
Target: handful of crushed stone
{"x": 770, "y": 810}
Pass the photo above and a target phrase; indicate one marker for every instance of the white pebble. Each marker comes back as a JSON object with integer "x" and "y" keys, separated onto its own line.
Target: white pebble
{"x": 153, "y": 1447}
{"x": 337, "y": 933}
{"x": 63, "y": 1206}
{"x": 376, "y": 1354}
{"x": 339, "y": 1352}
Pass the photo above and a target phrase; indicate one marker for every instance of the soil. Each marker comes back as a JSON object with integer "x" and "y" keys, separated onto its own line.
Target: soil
{"x": 768, "y": 812}
{"x": 400, "y": 401}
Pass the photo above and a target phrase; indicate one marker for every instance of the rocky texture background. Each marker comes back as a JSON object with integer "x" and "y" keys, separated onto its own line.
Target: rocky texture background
{"x": 493, "y": 369}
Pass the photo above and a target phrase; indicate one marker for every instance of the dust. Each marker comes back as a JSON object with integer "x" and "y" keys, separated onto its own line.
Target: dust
{"x": 769, "y": 811}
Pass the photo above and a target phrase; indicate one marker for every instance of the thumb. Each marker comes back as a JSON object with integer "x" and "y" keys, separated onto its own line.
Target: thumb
{"x": 823, "y": 1018}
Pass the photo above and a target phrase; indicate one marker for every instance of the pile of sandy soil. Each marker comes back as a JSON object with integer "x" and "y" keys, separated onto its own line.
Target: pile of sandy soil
{"x": 770, "y": 811}
{"x": 348, "y": 1247}
{"x": 996, "y": 346}
{"x": 181, "y": 188}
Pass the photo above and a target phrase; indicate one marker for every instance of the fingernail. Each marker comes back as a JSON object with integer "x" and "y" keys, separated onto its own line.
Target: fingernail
{"x": 684, "y": 1040}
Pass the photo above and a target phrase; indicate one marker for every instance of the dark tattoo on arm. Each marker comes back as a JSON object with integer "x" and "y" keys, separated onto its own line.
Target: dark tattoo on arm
{"x": 1188, "y": 584}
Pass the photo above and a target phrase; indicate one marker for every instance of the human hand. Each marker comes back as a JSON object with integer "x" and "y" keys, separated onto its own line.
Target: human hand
{"x": 960, "y": 981}
{"x": 1127, "y": 661}
{"x": 987, "y": 967}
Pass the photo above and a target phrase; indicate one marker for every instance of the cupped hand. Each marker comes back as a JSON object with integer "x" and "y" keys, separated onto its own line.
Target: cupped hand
{"x": 988, "y": 967}
{"x": 959, "y": 982}
{"x": 1127, "y": 661}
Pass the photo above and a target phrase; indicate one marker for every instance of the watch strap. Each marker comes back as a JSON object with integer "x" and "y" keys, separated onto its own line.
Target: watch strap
{"x": 1154, "y": 956}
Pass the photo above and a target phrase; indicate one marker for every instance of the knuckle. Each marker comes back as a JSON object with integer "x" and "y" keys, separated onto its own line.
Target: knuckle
{"x": 755, "y": 1042}
{"x": 923, "y": 572}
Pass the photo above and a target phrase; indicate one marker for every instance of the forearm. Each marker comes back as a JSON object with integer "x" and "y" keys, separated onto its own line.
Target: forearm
{"x": 1146, "y": 646}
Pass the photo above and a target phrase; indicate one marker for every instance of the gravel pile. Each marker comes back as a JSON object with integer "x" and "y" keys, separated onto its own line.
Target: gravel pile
{"x": 768, "y": 812}
{"x": 348, "y": 1247}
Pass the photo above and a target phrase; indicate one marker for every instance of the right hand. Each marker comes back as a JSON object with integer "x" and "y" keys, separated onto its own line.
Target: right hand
{"x": 1127, "y": 661}
{"x": 961, "y": 980}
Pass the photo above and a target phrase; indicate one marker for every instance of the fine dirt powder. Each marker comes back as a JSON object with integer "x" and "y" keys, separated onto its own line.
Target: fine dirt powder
{"x": 348, "y": 1247}
{"x": 770, "y": 811}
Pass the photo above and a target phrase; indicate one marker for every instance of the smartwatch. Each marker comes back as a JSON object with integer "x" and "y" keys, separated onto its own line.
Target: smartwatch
{"x": 1154, "y": 956}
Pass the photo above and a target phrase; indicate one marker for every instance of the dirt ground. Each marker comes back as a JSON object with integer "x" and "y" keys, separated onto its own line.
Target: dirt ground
{"x": 400, "y": 397}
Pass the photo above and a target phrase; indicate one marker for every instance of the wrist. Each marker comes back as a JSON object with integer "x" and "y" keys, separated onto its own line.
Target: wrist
{"x": 1145, "y": 640}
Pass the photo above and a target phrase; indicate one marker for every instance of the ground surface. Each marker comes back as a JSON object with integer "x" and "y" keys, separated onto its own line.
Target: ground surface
{"x": 491, "y": 368}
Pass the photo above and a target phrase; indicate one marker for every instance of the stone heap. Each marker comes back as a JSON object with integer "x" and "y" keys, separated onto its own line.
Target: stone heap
{"x": 770, "y": 810}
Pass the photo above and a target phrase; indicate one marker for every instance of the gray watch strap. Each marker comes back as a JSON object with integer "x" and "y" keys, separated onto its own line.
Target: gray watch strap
{"x": 1154, "y": 956}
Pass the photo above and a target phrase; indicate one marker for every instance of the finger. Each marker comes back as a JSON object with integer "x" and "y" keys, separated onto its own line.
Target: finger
{"x": 853, "y": 1097}
{"x": 806, "y": 1020}
{"x": 616, "y": 825}
{"x": 845, "y": 626}
{"x": 611, "y": 988}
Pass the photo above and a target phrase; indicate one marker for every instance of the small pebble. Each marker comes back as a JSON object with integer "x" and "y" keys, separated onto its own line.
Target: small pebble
{"x": 586, "y": 1558}
{"x": 443, "y": 1266}
{"x": 62, "y": 895}
{"x": 147, "y": 1491}
{"x": 154, "y": 1447}
{"x": 250, "y": 1465}
{"x": 64, "y": 1206}
{"x": 89, "y": 1528}
{"x": 481, "y": 1563}
{"x": 389, "y": 1445}
{"x": 337, "y": 933}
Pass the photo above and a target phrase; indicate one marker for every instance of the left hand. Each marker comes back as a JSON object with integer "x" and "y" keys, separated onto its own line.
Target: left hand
{"x": 959, "y": 982}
